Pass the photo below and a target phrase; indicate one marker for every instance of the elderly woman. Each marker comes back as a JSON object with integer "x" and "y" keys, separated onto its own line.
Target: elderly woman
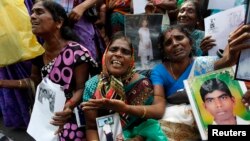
{"x": 65, "y": 62}
{"x": 190, "y": 16}
{"x": 179, "y": 64}
{"x": 120, "y": 89}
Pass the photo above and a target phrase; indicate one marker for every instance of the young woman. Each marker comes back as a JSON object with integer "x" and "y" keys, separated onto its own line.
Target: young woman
{"x": 64, "y": 62}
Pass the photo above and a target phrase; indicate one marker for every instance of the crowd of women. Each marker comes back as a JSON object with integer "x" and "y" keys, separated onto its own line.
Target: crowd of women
{"x": 94, "y": 62}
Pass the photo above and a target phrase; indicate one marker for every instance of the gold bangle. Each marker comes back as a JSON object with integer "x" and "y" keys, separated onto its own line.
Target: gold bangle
{"x": 144, "y": 112}
{"x": 20, "y": 83}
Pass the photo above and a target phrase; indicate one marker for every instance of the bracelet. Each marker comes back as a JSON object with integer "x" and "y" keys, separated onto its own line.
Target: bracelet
{"x": 20, "y": 83}
{"x": 144, "y": 112}
{"x": 71, "y": 102}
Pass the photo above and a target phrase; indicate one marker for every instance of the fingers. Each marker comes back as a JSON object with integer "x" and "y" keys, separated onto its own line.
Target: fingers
{"x": 74, "y": 16}
{"x": 60, "y": 118}
{"x": 243, "y": 37}
{"x": 94, "y": 104}
{"x": 207, "y": 40}
{"x": 238, "y": 39}
{"x": 207, "y": 43}
{"x": 111, "y": 4}
{"x": 242, "y": 28}
{"x": 207, "y": 47}
{"x": 108, "y": 104}
{"x": 246, "y": 98}
{"x": 89, "y": 106}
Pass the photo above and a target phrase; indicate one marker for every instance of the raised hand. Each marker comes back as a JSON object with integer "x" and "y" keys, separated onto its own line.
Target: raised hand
{"x": 237, "y": 39}
{"x": 76, "y": 13}
{"x": 207, "y": 43}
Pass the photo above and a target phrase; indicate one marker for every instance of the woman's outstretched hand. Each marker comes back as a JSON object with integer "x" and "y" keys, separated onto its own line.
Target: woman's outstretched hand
{"x": 110, "y": 104}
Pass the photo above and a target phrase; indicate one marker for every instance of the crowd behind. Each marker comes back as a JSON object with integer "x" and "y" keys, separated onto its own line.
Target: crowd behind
{"x": 93, "y": 60}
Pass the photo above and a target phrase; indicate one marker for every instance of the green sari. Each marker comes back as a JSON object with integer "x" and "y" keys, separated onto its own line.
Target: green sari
{"x": 139, "y": 92}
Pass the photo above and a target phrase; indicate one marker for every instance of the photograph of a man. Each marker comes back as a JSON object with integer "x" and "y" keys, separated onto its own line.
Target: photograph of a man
{"x": 107, "y": 131}
{"x": 219, "y": 102}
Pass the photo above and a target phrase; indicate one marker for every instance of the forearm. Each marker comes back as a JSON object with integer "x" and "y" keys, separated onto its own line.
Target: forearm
{"x": 87, "y": 4}
{"x": 227, "y": 60}
{"x": 75, "y": 99}
{"x": 147, "y": 111}
{"x": 168, "y": 4}
{"x": 91, "y": 129}
{"x": 19, "y": 84}
{"x": 221, "y": 63}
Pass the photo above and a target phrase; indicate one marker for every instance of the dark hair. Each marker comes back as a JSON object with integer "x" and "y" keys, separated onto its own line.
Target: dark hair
{"x": 181, "y": 28}
{"x": 120, "y": 35}
{"x": 59, "y": 14}
{"x": 213, "y": 84}
{"x": 197, "y": 9}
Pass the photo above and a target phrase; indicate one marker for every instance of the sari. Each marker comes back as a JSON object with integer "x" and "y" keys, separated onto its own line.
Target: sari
{"x": 137, "y": 92}
{"x": 61, "y": 71}
{"x": 197, "y": 36}
{"x": 115, "y": 17}
{"x": 16, "y": 104}
{"x": 178, "y": 121}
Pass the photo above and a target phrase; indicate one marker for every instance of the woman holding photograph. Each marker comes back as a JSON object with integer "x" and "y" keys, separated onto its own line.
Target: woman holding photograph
{"x": 15, "y": 107}
{"x": 179, "y": 64}
{"x": 120, "y": 89}
{"x": 145, "y": 50}
{"x": 65, "y": 62}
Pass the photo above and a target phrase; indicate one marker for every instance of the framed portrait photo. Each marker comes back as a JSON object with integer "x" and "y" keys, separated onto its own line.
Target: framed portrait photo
{"x": 242, "y": 69}
{"x": 215, "y": 98}
{"x": 109, "y": 127}
{"x": 144, "y": 31}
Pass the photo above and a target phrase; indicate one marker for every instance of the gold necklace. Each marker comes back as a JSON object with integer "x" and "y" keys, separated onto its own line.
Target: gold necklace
{"x": 171, "y": 69}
